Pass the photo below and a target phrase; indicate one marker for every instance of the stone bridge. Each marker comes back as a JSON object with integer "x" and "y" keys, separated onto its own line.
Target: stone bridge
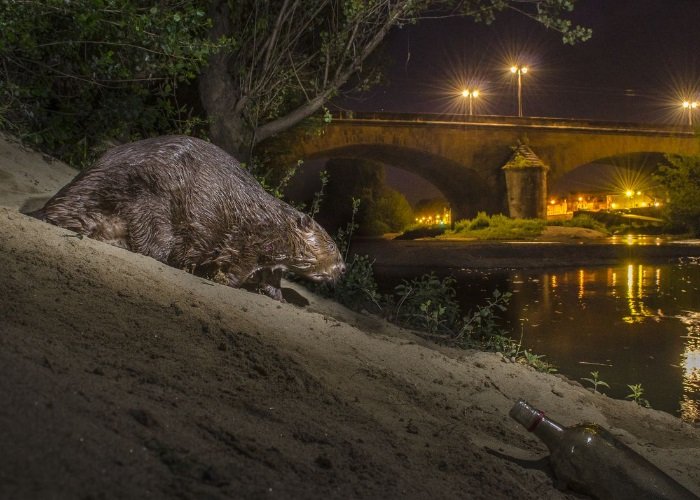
{"x": 464, "y": 157}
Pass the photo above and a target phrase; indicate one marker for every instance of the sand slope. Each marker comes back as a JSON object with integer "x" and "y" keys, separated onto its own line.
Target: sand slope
{"x": 123, "y": 378}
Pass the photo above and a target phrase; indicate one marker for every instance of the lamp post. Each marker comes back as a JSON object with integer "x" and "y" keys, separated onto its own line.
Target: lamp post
{"x": 520, "y": 71}
{"x": 471, "y": 94}
{"x": 690, "y": 106}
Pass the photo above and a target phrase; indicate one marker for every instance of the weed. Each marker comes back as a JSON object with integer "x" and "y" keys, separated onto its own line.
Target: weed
{"x": 482, "y": 323}
{"x": 636, "y": 395}
{"x": 536, "y": 361}
{"x": 427, "y": 303}
{"x": 596, "y": 381}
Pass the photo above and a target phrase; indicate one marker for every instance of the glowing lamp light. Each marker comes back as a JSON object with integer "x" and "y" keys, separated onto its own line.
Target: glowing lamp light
{"x": 471, "y": 94}
{"x": 690, "y": 106}
{"x": 629, "y": 193}
{"x": 519, "y": 70}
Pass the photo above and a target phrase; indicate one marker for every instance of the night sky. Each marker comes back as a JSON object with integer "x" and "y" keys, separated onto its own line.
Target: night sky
{"x": 643, "y": 59}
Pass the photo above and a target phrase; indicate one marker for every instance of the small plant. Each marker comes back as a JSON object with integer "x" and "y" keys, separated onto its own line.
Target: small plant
{"x": 433, "y": 315}
{"x": 536, "y": 361}
{"x": 318, "y": 195}
{"x": 636, "y": 395}
{"x": 596, "y": 381}
{"x": 357, "y": 289}
{"x": 482, "y": 324}
{"x": 343, "y": 236}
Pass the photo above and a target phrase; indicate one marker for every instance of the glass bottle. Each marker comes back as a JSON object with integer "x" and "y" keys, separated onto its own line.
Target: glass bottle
{"x": 588, "y": 459}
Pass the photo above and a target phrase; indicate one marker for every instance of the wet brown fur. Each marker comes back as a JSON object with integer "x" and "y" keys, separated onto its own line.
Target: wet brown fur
{"x": 189, "y": 204}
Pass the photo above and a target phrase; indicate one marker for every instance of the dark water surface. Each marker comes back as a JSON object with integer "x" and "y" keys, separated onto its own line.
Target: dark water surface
{"x": 634, "y": 323}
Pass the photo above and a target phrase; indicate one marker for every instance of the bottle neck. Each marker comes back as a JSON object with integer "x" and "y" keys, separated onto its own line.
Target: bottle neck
{"x": 534, "y": 421}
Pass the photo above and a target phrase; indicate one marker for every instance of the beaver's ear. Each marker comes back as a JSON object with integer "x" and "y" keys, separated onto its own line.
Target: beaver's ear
{"x": 304, "y": 221}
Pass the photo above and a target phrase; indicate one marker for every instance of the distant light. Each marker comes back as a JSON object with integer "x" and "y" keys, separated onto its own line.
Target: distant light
{"x": 513, "y": 69}
{"x": 524, "y": 70}
{"x": 465, "y": 93}
{"x": 629, "y": 193}
{"x": 475, "y": 93}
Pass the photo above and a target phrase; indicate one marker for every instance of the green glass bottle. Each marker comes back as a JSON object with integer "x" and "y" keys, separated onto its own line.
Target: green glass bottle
{"x": 588, "y": 459}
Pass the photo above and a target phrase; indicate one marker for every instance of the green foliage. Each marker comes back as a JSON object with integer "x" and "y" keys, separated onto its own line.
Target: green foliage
{"x": 537, "y": 362}
{"x": 595, "y": 381}
{"x": 76, "y": 74}
{"x": 389, "y": 212}
{"x": 550, "y": 13}
{"x": 344, "y": 236}
{"x": 496, "y": 227}
{"x": 427, "y": 303}
{"x": 636, "y": 395}
{"x": 681, "y": 179}
{"x": 357, "y": 289}
{"x": 482, "y": 324}
{"x": 581, "y": 220}
{"x": 382, "y": 209}
{"x": 272, "y": 180}
{"x": 318, "y": 196}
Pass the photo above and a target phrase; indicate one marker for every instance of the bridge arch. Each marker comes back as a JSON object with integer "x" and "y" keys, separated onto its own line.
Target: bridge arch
{"x": 467, "y": 190}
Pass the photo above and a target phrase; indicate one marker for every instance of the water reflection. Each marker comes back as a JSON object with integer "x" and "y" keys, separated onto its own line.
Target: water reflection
{"x": 690, "y": 410}
{"x": 634, "y": 323}
{"x": 624, "y": 319}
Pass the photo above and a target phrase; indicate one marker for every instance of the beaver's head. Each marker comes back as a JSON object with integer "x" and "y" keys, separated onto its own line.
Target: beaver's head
{"x": 312, "y": 252}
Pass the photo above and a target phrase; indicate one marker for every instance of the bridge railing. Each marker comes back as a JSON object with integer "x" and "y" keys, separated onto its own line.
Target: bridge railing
{"x": 514, "y": 121}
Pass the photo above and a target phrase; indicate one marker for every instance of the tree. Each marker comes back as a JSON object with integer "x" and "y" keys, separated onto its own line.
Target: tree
{"x": 290, "y": 56}
{"x": 390, "y": 212}
{"x": 73, "y": 73}
{"x": 681, "y": 179}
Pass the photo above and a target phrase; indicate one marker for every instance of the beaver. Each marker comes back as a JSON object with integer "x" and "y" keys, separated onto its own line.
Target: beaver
{"x": 189, "y": 204}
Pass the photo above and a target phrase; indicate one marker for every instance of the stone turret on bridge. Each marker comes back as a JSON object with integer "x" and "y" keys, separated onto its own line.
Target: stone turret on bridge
{"x": 526, "y": 184}
{"x": 464, "y": 158}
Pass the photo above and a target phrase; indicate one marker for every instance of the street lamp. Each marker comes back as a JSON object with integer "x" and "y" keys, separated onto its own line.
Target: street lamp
{"x": 470, "y": 94}
{"x": 690, "y": 106}
{"x": 519, "y": 70}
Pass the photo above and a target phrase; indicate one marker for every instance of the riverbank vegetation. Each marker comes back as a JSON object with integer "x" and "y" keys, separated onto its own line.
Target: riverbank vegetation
{"x": 499, "y": 227}
{"x": 496, "y": 227}
{"x": 428, "y": 305}
{"x": 680, "y": 176}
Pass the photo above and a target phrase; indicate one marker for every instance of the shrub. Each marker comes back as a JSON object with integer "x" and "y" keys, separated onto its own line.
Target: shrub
{"x": 427, "y": 303}
{"x": 497, "y": 227}
{"x": 581, "y": 220}
{"x": 357, "y": 289}
{"x": 76, "y": 74}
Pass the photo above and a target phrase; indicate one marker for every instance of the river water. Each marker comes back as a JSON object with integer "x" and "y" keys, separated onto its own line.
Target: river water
{"x": 634, "y": 323}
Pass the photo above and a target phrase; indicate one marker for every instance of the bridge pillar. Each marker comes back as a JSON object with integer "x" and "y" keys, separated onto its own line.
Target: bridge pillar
{"x": 526, "y": 184}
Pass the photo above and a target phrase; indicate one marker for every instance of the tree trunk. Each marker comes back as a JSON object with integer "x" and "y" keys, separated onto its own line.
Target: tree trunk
{"x": 221, "y": 100}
